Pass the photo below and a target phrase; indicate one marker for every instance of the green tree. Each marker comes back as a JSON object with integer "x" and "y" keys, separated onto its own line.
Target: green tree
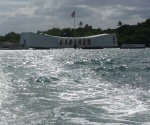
{"x": 12, "y": 37}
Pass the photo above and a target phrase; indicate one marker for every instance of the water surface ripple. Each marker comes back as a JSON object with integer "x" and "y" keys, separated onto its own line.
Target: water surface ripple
{"x": 75, "y": 87}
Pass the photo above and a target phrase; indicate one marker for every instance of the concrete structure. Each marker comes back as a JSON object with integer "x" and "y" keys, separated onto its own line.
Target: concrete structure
{"x": 132, "y": 46}
{"x": 8, "y": 45}
{"x": 41, "y": 41}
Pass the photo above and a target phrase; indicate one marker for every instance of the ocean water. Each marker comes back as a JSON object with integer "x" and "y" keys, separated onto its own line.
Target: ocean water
{"x": 75, "y": 87}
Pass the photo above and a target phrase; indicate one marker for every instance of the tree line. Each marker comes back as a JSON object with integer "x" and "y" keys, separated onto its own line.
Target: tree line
{"x": 128, "y": 34}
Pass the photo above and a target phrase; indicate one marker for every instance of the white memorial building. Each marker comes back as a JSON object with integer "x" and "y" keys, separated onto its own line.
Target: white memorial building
{"x": 41, "y": 41}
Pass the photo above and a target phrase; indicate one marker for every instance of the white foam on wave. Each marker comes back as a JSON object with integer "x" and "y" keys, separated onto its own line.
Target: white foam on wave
{"x": 87, "y": 89}
{"x": 120, "y": 103}
{"x": 117, "y": 102}
{"x": 83, "y": 121}
{"x": 146, "y": 123}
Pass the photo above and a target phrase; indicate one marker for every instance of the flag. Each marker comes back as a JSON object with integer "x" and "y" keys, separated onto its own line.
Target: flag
{"x": 73, "y": 14}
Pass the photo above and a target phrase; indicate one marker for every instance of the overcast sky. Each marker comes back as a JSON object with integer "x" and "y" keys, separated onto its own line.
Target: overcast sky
{"x": 32, "y": 15}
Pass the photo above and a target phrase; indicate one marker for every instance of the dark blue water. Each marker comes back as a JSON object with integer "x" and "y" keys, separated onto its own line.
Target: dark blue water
{"x": 75, "y": 87}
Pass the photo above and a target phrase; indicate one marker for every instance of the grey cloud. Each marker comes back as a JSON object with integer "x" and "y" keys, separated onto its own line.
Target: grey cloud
{"x": 33, "y": 15}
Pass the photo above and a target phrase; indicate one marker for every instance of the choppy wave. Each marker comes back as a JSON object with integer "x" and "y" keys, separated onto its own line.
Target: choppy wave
{"x": 75, "y": 87}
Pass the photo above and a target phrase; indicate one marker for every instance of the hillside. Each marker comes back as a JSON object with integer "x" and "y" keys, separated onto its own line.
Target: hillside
{"x": 131, "y": 34}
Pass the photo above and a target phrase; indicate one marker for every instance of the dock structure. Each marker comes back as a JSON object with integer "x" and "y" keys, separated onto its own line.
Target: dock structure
{"x": 133, "y": 46}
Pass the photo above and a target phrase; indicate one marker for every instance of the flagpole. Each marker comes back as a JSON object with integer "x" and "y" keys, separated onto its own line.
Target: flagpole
{"x": 74, "y": 24}
{"x": 73, "y": 15}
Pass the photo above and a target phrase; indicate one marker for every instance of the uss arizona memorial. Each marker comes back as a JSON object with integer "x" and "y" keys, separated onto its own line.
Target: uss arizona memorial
{"x": 42, "y": 41}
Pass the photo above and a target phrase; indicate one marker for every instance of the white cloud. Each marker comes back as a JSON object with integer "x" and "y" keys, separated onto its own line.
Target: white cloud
{"x": 33, "y": 15}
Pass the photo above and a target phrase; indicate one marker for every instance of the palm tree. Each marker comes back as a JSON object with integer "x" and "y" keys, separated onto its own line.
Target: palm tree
{"x": 119, "y": 23}
{"x": 80, "y": 24}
